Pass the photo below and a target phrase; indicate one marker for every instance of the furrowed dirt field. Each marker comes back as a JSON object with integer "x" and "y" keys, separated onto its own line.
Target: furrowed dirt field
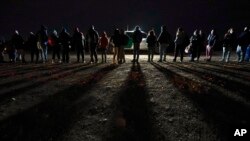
{"x": 168, "y": 101}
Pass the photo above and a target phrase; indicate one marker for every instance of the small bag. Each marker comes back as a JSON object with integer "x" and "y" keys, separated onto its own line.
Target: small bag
{"x": 188, "y": 48}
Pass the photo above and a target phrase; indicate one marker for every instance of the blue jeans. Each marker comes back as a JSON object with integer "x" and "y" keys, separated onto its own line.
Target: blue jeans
{"x": 226, "y": 54}
{"x": 162, "y": 51}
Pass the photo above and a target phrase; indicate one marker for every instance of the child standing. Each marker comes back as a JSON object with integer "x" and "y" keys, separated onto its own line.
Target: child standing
{"x": 103, "y": 46}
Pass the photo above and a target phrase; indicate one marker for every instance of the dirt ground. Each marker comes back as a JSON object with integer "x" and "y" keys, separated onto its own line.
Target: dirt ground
{"x": 167, "y": 101}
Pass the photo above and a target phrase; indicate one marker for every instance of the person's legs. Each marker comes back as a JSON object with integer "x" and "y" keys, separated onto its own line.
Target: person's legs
{"x": 223, "y": 54}
{"x": 161, "y": 52}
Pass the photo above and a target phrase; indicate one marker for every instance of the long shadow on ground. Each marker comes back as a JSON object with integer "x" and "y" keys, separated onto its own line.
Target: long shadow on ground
{"x": 59, "y": 75}
{"x": 50, "y": 119}
{"x": 223, "y": 114}
{"x": 227, "y": 83}
{"x": 131, "y": 119}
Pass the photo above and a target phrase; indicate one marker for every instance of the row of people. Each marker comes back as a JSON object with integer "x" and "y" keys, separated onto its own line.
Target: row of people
{"x": 61, "y": 43}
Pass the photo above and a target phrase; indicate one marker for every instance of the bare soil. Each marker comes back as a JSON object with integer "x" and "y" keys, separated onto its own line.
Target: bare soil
{"x": 145, "y": 101}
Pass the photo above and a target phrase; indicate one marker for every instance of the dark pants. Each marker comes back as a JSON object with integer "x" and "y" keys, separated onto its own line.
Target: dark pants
{"x": 93, "y": 52}
{"x": 33, "y": 53}
{"x": 179, "y": 48}
{"x": 56, "y": 52}
{"x": 65, "y": 54}
{"x": 80, "y": 51}
{"x": 104, "y": 54}
{"x": 136, "y": 51}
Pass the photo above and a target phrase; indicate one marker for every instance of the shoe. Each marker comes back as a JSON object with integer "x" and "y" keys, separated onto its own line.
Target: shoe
{"x": 159, "y": 61}
{"x": 174, "y": 60}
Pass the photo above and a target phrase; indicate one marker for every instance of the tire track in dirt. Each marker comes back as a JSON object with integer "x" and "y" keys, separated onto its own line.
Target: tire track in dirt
{"x": 174, "y": 115}
{"x": 221, "y": 112}
{"x": 38, "y": 80}
{"x": 34, "y": 95}
{"x": 238, "y": 86}
{"x": 221, "y": 70}
{"x": 52, "y": 117}
{"x": 35, "y": 73}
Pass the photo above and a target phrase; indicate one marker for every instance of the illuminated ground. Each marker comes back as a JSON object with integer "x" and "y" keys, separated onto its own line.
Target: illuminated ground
{"x": 144, "y": 101}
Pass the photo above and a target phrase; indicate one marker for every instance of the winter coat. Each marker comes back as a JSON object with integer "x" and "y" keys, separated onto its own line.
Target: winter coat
{"x": 137, "y": 36}
{"x": 152, "y": 41}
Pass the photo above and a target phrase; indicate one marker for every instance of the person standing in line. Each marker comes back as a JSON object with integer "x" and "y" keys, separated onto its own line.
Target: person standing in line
{"x": 180, "y": 41}
{"x": 92, "y": 39}
{"x": 18, "y": 45}
{"x": 195, "y": 42}
{"x": 243, "y": 41}
{"x": 211, "y": 42}
{"x": 103, "y": 43}
{"x": 54, "y": 42}
{"x": 152, "y": 42}
{"x": 124, "y": 43}
{"x": 78, "y": 44}
{"x": 116, "y": 41}
{"x": 32, "y": 45}
{"x": 42, "y": 37}
{"x": 228, "y": 44}
{"x": 65, "y": 39}
{"x": 164, "y": 40}
{"x": 137, "y": 38}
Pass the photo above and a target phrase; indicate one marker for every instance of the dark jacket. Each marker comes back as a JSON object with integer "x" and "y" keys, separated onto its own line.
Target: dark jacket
{"x": 17, "y": 41}
{"x": 229, "y": 40}
{"x": 116, "y": 39}
{"x": 164, "y": 38}
{"x": 152, "y": 41}
{"x": 32, "y": 42}
{"x": 42, "y": 36}
{"x": 244, "y": 39}
{"x": 78, "y": 40}
{"x": 137, "y": 36}
{"x": 92, "y": 37}
{"x": 64, "y": 38}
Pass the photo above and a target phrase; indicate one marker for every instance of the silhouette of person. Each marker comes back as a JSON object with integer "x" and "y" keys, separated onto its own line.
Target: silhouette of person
{"x": 211, "y": 42}
{"x": 54, "y": 42}
{"x": 242, "y": 42}
{"x": 116, "y": 40}
{"x": 180, "y": 43}
{"x": 152, "y": 43}
{"x": 103, "y": 43}
{"x": 137, "y": 38}
{"x": 92, "y": 39}
{"x": 164, "y": 39}
{"x": 18, "y": 45}
{"x": 78, "y": 44}
{"x": 195, "y": 42}
{"x": 228, "y": 44}
{"x": 42, "y": 36}
{"x": 32, "y": 45}
{"x": 65, "y": 42}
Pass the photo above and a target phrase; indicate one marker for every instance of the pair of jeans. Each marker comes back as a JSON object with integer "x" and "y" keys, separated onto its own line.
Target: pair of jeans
{"x": 226, "y": 54}
{"x": 162, "y": 50}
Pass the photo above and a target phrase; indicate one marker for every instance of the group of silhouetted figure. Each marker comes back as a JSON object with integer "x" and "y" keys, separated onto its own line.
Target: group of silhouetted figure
{"x": 62, "y": 43}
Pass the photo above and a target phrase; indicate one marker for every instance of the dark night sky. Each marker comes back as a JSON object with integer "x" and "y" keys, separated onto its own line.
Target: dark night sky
{"x": 28, "y": 15}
